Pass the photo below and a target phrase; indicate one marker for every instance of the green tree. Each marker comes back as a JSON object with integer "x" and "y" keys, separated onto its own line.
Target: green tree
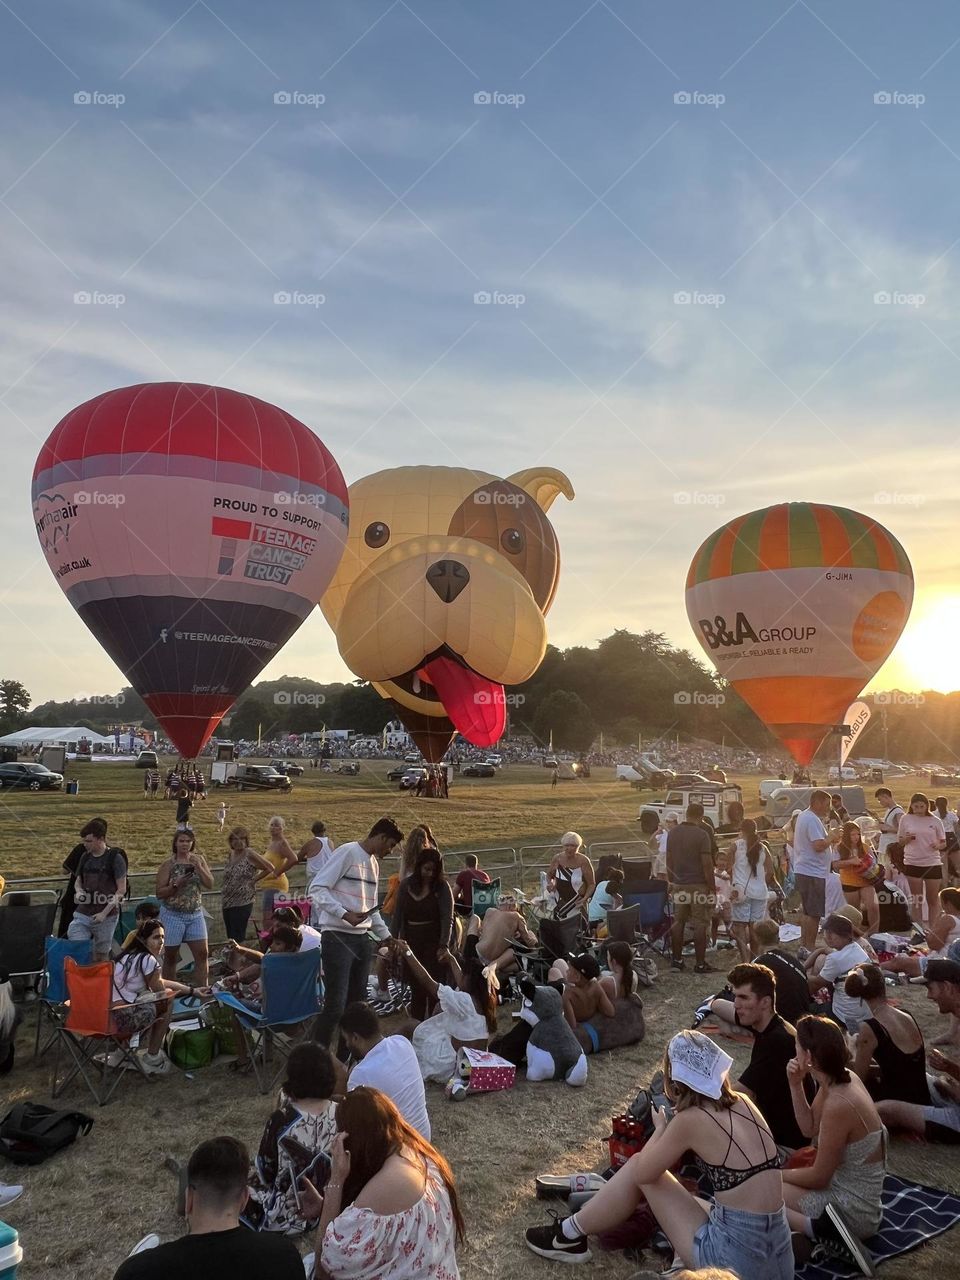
{"x": 567, "y": 717}
{"x": 251, "y": 715}
{"x": 14, "y": 704}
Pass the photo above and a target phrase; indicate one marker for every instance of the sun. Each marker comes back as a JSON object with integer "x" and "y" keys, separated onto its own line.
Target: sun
{"x": 928, "y": 656}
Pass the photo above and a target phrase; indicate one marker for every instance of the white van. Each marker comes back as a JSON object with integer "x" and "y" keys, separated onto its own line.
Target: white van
{"x": 768, "y": 786}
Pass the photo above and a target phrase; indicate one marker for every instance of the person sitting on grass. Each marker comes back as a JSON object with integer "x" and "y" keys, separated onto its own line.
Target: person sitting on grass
{"x": 137, "y": 977}
{"x": 940, "y": 937}
{"x": 745, "y": 1228}
{"x": 584, "y": 997}
{"x": 387, "y": 1063}
{"x": 621, "y": 982}
{"x": 297, "y": 1141}
{"x": 837, "y": 1199}
{"x": 468, "y": 1012}
{"x": 826, "y": 970}
{"x": 217, "y": 1245}
{"x": 889, "y": 1057}
{"x": 390, "y": 1208}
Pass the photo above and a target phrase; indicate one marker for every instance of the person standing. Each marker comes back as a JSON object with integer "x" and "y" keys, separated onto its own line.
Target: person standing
{"x": 424, "y": 920}
{"x": 315, "y": 851}
{"x": 753, "y": 878}
{"x": 693, "y": 886}
{"x": 181, "y": 880}
{"x": 281, "y": 858}
{"x": 345, "y": 900}
{"x": 859, "y": 872}
{"x": 99, "y": 888}
{"x": 890, "y": 822}
{"x": 923, "y": 840}
{"x": 463, "y": 893}
{"x": 813, "y": 862}
{"x": 571, "y": 875}
{"x": 243, "y": 870}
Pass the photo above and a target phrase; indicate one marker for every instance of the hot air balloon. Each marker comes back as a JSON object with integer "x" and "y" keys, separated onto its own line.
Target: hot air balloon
{"x": 798, "y": 606}
{"x": 193, "y": 529}
{"x": 440, "y": 597}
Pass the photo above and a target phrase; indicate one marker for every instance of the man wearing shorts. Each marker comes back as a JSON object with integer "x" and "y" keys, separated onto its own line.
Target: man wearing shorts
{"x": 813, "y": 859}
{"x": 693, "y": 886}
{"x": 940, "y": 1121}
{"x": 101, "y": 883}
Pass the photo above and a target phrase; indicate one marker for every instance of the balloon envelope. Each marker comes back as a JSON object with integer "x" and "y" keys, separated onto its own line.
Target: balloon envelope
{"x": 193, "y": 529}
{"x": 798, "y": 606}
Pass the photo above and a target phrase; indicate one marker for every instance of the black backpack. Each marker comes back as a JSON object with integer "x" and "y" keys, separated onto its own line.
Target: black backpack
{"x": 31, "y": 1133}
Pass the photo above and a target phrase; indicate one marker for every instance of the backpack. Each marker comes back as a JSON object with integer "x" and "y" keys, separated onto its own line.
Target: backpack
{"x": 31, "y": 1133}
{"x": 116, "y": 860}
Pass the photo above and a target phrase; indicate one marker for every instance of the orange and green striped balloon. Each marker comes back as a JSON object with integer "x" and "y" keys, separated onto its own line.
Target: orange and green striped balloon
{"x": 798, "y": 606}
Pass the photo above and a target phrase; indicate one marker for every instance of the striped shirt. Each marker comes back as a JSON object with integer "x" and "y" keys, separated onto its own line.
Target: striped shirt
{"x": 348, "y": 881}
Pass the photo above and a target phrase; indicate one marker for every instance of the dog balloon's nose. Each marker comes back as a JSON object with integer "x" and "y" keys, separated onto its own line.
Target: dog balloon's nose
{"x": 448, "y": 578}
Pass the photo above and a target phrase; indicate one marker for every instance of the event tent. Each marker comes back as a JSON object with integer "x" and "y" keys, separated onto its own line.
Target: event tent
{"x": 55, "y": 737}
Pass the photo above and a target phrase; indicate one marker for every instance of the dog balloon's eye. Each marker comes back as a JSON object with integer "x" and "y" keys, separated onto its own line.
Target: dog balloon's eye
{"x": 376, "y": 534}
{"x": 512, "y": 540}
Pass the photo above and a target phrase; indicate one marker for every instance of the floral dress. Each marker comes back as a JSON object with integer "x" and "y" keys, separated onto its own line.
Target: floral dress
{"x": 418, "y": 1244}
{"x": 294, "y": 1143}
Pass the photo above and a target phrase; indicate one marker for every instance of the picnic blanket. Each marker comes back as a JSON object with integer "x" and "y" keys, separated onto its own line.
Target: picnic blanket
{"x": 911, "y": 1216}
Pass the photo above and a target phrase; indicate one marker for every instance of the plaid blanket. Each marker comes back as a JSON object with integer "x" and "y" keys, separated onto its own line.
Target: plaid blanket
{"x": 911, "y": 1216}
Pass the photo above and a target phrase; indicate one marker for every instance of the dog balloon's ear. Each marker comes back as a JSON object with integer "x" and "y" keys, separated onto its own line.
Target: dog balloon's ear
{"x": 543, "y": 484}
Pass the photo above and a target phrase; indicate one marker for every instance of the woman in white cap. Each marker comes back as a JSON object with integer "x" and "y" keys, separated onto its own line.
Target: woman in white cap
{"x": 571, "y": 875}
{"x": 745, "y": 1228}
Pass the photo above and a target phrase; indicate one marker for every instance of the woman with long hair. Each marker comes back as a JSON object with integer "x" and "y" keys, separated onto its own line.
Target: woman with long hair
{"x": 180, "y": 884}
{"x": 423, "y": 918}
{"x": 750, "y": 882}
{"x": 923, "y": 840}
{"x": 621, "y": 983}
{"x": 418, "y": 839}
{"x": 859, "y": 869}
{"x": 243, "y": 871}
{"x": 836, "y": 1200}
{"x": 890, "y": 1038}
{"x": 745, "y": 1228}
{"x": 940, "y": 938}
{"x": 390, "y": 1210}
{"x": 468, "y": 1011}
{"x": 297, "y": 1141}
{"x": 142, "y": 996}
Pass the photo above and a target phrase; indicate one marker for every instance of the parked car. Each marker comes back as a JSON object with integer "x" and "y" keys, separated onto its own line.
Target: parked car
{"x": 716, "y": 801}
{"x": 481, "y": 769}
{"x": 411, "y": 777}
{"x": 397, "y": 772}
{"x": 260, "y": 777}
{"x": 413, "y": 757}
{"x": 34, "y": 777}
{"x": 146, "y": 760}
{"x": 550, "y": 762}
{"x": 495, "y": 760}
{"x": 288, "y": 767}
{"x": 768, "y": 786}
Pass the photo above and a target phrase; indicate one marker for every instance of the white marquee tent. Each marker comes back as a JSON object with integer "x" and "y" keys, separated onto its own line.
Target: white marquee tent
{"x": 55, "y": 737}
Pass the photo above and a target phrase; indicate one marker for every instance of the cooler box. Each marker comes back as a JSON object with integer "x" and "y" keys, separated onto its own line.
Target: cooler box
{"x": 11, "y": 1255}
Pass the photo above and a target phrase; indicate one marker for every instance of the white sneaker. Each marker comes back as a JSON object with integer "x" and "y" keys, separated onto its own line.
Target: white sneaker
{"x": 156, "y": 1064}
{"x": 148, "y": 1242}
{"x": 9, "y": 1192}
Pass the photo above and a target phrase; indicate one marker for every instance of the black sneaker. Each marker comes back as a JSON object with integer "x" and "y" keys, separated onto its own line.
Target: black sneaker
{"x": 833, "y": 1231}
{"x": 678, "y": 965}
{"x": 550, "y": 1242}
{"x": 704, "y": 968}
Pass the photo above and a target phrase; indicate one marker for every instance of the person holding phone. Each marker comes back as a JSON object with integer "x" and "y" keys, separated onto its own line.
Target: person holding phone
{"x": 180, "y": 884}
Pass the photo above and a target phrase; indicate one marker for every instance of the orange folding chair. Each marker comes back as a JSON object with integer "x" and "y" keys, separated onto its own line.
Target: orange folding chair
{"x": 88, "y": 1035}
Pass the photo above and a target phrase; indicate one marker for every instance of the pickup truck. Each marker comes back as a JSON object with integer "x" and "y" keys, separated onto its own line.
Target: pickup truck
{"x": 288, "y": 767}
{"x": 716, "y": 801}
{"x": 248, "y": 777}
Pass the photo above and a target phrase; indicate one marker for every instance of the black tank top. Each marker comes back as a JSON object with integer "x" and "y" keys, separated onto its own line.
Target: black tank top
{"x": 903, "y": 1076}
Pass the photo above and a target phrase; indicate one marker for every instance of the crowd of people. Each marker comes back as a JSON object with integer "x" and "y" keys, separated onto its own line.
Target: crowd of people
{"x": 791, "y": 1156}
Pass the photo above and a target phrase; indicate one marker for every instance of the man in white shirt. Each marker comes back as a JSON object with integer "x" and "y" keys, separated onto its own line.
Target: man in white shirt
{"x": 812, "y": 864}
{"x": 385, "y": 1063}
{"x": 344, "y": 895}
{"x": 890, "y": 822}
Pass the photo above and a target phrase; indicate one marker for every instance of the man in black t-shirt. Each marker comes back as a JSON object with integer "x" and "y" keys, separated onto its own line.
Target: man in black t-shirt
{"x": 793, "y": 988}
{"x": 217, "y": 1244}
{"x": 754, "y": 1007}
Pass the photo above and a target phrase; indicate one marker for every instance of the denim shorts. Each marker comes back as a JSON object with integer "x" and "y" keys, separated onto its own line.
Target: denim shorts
{"x": 750, "y": 1245}
{"x": 748, "y": 910}
{"x": 179, "y": 927}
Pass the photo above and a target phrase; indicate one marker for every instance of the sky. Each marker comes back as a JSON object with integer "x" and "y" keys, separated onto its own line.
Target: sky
{"x": 720, "y": 242}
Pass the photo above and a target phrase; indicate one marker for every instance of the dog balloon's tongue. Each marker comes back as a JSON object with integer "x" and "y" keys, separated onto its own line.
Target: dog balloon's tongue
{"x": 476, "y": 706}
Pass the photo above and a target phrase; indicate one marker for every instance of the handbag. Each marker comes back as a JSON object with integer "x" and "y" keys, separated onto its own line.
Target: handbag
{"x": 191, "y": 1047}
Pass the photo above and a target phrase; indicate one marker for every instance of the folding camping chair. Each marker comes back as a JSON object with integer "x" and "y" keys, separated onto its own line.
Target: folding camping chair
{"x": 26, "y": 921}
{"x": 558, "y": 939}
{"x": 622, "y": 926}
{"x": 290, "y": 994}
{"x": 88, "y": 1035}
{"x": 485, "y": 896}
{"x": 653, "y": 899}
{"x": 52, "y": 995}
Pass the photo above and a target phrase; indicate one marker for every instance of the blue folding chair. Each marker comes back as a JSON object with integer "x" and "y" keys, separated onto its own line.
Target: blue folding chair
{"x": 485, "y": 896}
{"x": 653, "y": 899}
{"x": 52, "y": 996}
{"x": 290, "y": 986}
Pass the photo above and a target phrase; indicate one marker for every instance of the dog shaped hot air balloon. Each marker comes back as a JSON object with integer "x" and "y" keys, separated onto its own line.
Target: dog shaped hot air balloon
{"x": 442, "y": 590}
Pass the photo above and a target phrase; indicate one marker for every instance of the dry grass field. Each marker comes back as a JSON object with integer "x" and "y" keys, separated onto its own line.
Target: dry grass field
{"x": 85, "y": 1209}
